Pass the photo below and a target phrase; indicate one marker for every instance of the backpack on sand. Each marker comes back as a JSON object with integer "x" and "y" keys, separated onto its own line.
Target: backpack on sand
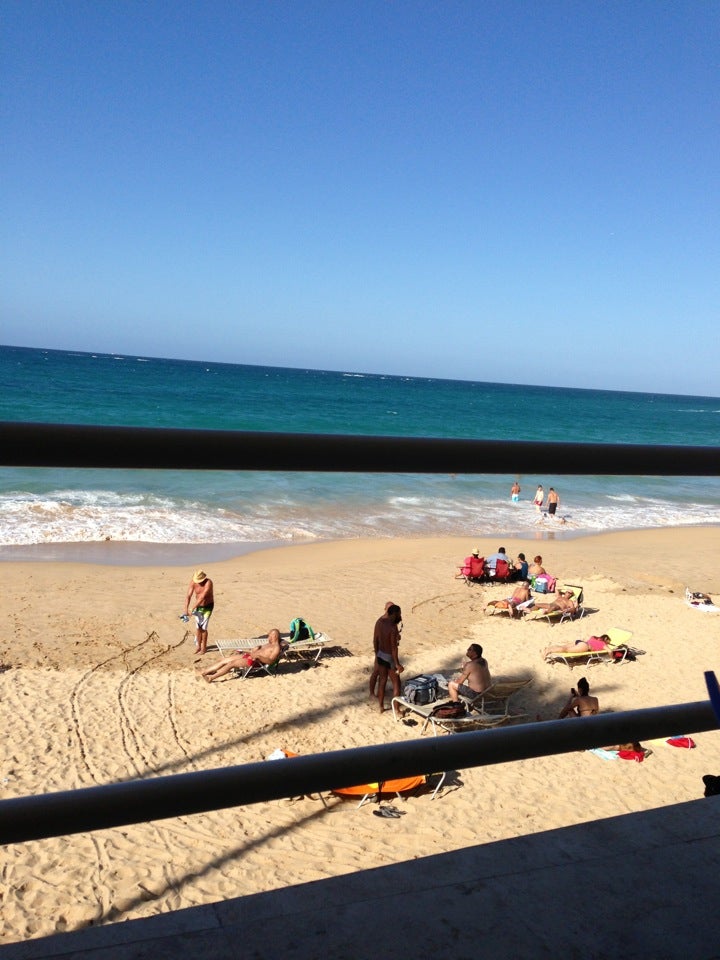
{"x": 300, "y": 630}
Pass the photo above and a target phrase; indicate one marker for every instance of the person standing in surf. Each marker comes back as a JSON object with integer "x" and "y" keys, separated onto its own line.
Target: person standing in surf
{"x": 515, "y": 492}
{"x": 538, "y": 498}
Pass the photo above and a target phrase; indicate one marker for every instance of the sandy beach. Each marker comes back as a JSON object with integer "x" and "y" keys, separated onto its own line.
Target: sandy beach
{"x": 101, "y": 684}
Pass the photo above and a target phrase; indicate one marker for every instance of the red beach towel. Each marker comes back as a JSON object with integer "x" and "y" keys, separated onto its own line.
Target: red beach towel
{"x": 687, "y": 742}
{"x": 638, "y": 755}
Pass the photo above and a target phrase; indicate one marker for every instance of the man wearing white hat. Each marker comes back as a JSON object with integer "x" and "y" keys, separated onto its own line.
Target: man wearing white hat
{"x": 200, "y": 592}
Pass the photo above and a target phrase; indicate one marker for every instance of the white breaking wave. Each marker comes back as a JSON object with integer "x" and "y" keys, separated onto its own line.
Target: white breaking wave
{"x": 92, "y": 516}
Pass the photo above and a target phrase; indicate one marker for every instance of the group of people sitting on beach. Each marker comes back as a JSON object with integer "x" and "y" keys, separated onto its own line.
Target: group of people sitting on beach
{"x": 498, "y": 566}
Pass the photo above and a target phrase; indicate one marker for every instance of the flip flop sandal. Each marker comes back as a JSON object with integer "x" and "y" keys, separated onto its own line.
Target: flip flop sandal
{"x": 389, "y": 813}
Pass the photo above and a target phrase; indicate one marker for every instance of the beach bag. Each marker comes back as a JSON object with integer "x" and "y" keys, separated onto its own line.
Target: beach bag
{"x": 300, "y": 630}
{"x": 421, "y": 690}
{"x": 448, "y": 711}
{"x": 551, "y": 583}
{"x": 622, "y": 653}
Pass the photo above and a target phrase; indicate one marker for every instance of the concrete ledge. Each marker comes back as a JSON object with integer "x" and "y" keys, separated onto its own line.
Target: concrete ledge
{"x": 643, "y": 885}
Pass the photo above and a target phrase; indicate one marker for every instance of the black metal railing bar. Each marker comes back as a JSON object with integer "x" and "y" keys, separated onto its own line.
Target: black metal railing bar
{"x": 64, "y": 445}
{"x": 136, "y": 801}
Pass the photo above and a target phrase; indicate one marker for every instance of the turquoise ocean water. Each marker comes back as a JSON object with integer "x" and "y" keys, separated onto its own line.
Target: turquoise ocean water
{"x": 48, "y": 507}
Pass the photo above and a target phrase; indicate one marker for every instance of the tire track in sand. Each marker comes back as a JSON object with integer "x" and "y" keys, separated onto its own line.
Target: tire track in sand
{"x": 90, "y": 708}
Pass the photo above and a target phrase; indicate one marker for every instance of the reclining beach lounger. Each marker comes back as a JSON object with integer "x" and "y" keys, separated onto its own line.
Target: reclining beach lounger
{"x": 366, "y": 791}
{"x": 561, "y": 616}
{"x": 445, "y": 724}
{"x": 480, "y": 713}
{"x": 310, "y": 649}
{"x": 301, "y": 649}
{"x": 618, "y": 638}
{"x": 496, "y": 699}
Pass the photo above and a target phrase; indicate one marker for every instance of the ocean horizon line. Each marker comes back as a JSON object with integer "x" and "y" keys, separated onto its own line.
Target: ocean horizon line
{"x": 345, "y": 372}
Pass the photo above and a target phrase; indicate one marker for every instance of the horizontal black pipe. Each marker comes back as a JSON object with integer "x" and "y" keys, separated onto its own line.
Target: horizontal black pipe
{"x": 138, "y": 801}
{"x": 63, "y": 445}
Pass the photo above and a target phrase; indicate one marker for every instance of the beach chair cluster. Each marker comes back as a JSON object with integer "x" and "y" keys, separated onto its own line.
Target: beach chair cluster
{"x": 478, "y": 570}
{"x": 529, "y": 611}
{"x": 491, "y": 708}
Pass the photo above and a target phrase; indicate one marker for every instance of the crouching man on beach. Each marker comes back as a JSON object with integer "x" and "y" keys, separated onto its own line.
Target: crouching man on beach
{"x": 474, "y": 677}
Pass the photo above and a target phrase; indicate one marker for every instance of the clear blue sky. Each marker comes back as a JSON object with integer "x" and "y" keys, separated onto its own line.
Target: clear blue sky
{"x": 512, "y": 191}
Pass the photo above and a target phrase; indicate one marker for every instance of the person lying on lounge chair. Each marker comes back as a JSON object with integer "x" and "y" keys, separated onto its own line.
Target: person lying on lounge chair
{"x": 266, "y": 653}
{"x": 580, "y": 703}
{"x": 591, "y": 645}
{"x": 565, "y": 602}
{"x": 474, "y": 676}
{"x": 520, "y": 595}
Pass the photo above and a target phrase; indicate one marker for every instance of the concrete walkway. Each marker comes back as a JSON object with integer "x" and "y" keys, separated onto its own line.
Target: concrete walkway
{"x": 644, "y": 885}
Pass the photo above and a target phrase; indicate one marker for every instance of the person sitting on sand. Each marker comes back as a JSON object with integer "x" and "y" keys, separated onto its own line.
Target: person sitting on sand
{"x": 475, "y": 671}
{"x": 520, "y": 568}
{"x": 580, "y": 703}
{"x": 536, "y": 567}
{"x": 266, "y": 653}
{"x": 521, "y": 595}
{"x": 591, "y": 645}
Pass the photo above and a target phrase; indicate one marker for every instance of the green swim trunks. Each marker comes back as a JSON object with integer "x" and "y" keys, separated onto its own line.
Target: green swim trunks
{"x": 202, "y": 615}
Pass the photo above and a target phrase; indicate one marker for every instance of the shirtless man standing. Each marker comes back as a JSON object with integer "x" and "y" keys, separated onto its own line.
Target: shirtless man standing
{"x": 475, "y": 671}
{"x": 200, "y": 594}
{"x": 376, "y": 669}
{"x": 266, "y": 653}
{"x": 385, "y": 644}
{"x": 580, "y": 704}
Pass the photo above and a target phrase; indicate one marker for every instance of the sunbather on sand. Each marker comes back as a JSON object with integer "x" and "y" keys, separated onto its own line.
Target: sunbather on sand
{"x": 580, "y": 703}
{"x": 475, "y": 671}
{"x": 266, "y": 653}
{"x": 591, "y": 645}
